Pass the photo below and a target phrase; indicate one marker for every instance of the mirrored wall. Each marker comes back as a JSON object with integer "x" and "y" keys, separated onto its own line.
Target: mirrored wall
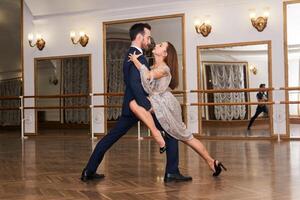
{"x": 62, "y": 88}
{"x": 229, "y": 67}
{"x": 292, "y": 65}
{"x": 117, "y": 42}
{"x": 10, "y": 64}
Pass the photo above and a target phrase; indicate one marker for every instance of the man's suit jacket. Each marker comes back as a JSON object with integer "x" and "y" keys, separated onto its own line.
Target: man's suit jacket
{"x": 133, "y": 86}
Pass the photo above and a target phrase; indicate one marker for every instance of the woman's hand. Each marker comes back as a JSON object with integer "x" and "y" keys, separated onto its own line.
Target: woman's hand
{"x": 134, "y": 57}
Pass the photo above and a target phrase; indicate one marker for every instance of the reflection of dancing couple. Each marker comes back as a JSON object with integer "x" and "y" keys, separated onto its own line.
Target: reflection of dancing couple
{"x": 148, "y": 98}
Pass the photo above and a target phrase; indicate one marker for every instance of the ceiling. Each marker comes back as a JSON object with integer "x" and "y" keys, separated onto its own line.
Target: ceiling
{"x": 47, "y": 7}
{"x": 236, "y": 52}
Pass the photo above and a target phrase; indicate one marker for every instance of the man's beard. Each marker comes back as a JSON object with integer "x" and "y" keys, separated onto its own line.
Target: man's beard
{"x": 151, "y": 46}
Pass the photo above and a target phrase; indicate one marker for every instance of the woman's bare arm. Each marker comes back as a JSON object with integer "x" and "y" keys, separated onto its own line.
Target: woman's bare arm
{"x": 154, "y": 73}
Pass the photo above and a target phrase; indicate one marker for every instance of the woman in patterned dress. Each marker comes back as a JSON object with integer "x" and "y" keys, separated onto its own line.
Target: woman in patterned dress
{"x": 158, "y": 83}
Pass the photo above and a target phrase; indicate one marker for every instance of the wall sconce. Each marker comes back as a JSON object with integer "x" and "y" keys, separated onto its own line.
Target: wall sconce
{"x": 260, "y": 22}
{"x": 40, "y": 42}
{"x": 83, "y": 39}
{"x": 204, "y": 28}
{"x": 253, "y": 69}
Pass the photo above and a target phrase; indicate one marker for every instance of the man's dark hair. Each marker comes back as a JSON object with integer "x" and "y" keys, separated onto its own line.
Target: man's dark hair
{"x": 138, "y": 28}
{"x": 262, "y": 85}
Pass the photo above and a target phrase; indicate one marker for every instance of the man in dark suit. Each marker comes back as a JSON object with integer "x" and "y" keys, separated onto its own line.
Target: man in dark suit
{"x": 140, "y": 35}
{"x": 261, "y": 96}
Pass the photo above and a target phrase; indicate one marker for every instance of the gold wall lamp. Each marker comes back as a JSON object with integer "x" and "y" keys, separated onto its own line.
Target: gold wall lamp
{"x": 204, "y": 28}
{"x": 83, "y": 39}
{"x": 40, "y": 42}
{"x": 260, "y": 23}
{"x": 253, "y": 69}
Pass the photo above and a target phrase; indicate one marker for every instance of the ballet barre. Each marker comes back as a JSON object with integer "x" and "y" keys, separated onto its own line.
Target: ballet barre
{"x": 289, "y": 88}
{"x": 232, "y": 103}
{"x": 231, "y": 90}
{"x": 116, "y": 94}
{"x": 9, "y": 97}
{"x": 56, "y": 107}
{"x": 56, "y": 96}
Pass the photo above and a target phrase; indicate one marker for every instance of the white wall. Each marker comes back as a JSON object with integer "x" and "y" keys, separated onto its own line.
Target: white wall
{"x": 230, "y": 24}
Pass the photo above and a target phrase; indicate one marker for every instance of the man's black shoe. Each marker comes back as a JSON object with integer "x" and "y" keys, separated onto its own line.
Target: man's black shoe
{"x": 176, "y": 177}
{"x": 85, "y": 176}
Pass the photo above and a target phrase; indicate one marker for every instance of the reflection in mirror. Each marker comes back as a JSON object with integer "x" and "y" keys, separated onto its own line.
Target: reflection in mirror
{"x": 234, "y": 67}
{"x": 10, "y": 64}
{"x": 118, "y": 42}
{"x": 293, "y": 41}
{"x": 63, "y": 76}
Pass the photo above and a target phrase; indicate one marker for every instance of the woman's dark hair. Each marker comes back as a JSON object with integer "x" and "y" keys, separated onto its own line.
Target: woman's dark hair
{"x": 138, "y": 28}
{"x": 172, "y": 61}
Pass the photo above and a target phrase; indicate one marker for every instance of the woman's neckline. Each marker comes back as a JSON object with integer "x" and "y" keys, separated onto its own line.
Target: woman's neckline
{"x": 162, "y": 65}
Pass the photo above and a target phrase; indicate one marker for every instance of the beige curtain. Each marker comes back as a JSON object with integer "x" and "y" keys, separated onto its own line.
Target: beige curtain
{"x": 76, "y": 81}
{"x": 228, "y": 76}
{"x": 116, "y": 50}
{"x": 10, "y": 88}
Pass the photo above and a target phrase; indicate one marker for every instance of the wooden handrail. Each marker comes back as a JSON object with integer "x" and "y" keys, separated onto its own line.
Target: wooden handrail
{"x": 120, "y": 106}
{"x": 232, "y": 104}
{"x": 232, "y": 90}
{"x": 289, "y": 102}
{"x": 290, "y": 88}
{"x": 57, "y": 107}
{"x": 179, "y": 92}
{"x": 109, "y": 94}
{"x": 107, "y": 106}
{"x": 57, "y": 96}
{"x": 73, "y": 107}
{"x": 10, "y": 108}
{"x": 9, "y": 97}
{"x": 122, "y": 94}
{"x": 76, "y": 107}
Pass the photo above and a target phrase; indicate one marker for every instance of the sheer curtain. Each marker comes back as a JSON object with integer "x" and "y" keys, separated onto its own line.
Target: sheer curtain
{"x": 76, "y": 81}
{"x": 10, "y": 88}
{"x": 116, "y": 50}
{"x": 228, "y": 76}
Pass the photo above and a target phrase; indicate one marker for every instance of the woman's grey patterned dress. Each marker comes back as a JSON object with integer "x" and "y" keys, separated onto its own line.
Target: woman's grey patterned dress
{"x": 165, "y": 106}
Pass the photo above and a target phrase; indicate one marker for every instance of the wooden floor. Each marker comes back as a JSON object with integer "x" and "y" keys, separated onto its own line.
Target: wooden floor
{"x": 49, "y": 168}
{"x": 238, "y": 128}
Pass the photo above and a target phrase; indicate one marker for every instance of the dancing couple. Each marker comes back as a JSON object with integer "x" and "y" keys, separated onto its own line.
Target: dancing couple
{"x": 148, "y": 98}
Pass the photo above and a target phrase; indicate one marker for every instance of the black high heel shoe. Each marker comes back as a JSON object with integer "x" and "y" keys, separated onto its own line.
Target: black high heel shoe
{"x": 162, "y": 149}
{"x": 218, "y": 168}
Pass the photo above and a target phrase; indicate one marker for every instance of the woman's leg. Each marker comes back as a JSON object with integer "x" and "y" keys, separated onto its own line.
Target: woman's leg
{"x": 201, "y": 150}
{"x": 146, "y": 117}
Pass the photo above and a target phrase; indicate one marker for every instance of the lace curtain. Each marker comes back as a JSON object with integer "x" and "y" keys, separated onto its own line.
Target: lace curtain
{"x": 116, "y": 50}
{"x": 76, "y": 81}
{"x": 228, "y": 76}
{"x": 10, "y": 88}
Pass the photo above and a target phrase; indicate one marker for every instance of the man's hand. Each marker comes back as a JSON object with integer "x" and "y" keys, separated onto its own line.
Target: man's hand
{"x": 134, "y": 57}
{"x": 151, "y": 110}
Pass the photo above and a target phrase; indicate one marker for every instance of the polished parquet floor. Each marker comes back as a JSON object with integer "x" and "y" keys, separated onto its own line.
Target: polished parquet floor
{"x": 49, "y": 168}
